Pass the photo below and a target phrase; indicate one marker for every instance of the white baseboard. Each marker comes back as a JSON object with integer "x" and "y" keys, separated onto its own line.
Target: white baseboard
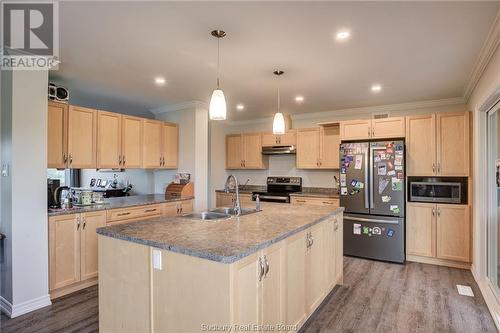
{"x": 25, "y": 307}
{"x": 489, "y": 297}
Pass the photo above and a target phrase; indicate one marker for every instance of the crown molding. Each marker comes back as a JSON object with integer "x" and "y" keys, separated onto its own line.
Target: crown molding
{"x": 359, "y": 111}
{"x": 179, "y": 107}
{"x": 489, "y": 47}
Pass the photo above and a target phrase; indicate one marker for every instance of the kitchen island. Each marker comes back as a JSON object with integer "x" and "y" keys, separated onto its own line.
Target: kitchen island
{"x": 266, "y": 270}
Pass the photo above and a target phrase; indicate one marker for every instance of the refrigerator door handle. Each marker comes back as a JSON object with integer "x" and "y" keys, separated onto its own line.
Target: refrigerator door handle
{"x": 372, "y": 205}
{"x": 366, "y": 177}
{"x": 361, "y": 219}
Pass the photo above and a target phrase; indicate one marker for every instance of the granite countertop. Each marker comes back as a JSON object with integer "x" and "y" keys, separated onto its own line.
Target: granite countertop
{"x": 118, "y": 202}
{"x": 224, "y": 241}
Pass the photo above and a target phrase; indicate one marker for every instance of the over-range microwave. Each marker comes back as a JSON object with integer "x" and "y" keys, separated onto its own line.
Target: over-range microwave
{"x": 438, "y": 191}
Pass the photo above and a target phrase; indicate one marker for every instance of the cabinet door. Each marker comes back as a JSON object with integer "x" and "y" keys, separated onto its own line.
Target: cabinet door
{"x": 329, "y": 147}
{"x": 355, "y": 129}
{"x": 131, "y": 142}
{"x": 152, "y": 144}
{"x": 109, "y": 137}
{"x": 339, "y": 248}
{"x": 82, "y": 124}
{"x": 252, "y": 151}
{"x": 453, "y": 144}
{"x": 388, "y": 128}
{"x": 170, "y": 209}
{"x": 272, "y": 287}
{"x": 315, "y": 273}
{"x": 186, "y": 207}
{"x": 288, "y": 139}
{"x": 90, "y": 222}
{"x": 224, "y": 199}
{"x": 57, "y": 138}
{"x": 330, "y": 253}
{"x": 295, "y": 278}
{"x": 308, "y": 148}
{"x": 269, "y": 139}
{"x": 234, "y": 156}
{"x": 170, "y": 145}
{"x": 64, "y": 250}
{"x": 421, "y": 229}
{"x": 453, "y": 232}
{"x": 247, "y": 290}
{"x": 421, "y": 145}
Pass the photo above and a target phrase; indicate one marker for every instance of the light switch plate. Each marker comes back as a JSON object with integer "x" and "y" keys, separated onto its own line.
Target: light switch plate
{"x": 465, "y": 290}
{"x": 157, "y": 259}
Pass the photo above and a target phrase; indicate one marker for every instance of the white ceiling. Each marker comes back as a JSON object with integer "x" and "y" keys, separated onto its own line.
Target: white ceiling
{"x": 416, "y": 51}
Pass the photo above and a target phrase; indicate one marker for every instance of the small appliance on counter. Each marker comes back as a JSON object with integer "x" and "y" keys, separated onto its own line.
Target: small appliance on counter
{"x": 112, "y": 192}
{"x": 279, "y": 189}
{"x": 82, "y": 196}
{"x": 179, "y": 190}
{"x": 52, "y": 185}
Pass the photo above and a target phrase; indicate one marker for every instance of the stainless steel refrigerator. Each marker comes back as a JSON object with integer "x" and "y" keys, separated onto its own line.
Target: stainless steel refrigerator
{"x": 372, "y": 191}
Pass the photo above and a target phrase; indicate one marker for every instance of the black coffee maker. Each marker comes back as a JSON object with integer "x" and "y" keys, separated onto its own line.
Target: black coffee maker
{"x": 52, "y": 185}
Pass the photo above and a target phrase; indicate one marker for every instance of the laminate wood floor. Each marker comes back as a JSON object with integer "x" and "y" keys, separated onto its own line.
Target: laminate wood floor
{"x": 375, "y": 297}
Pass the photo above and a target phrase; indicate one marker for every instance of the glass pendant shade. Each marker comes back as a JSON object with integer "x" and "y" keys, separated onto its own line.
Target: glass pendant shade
{"x": 217, "y": 108}
{"x": 279, "y": 124}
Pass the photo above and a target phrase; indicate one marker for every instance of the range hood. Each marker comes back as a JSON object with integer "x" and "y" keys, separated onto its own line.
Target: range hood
{"x": 279, "y": 150}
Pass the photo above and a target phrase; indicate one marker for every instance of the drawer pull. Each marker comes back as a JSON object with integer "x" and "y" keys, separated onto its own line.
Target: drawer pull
{"x": 328, "y": 202}
{"x": 150, "y": 210}
{"x": 300, "y": 200}
{"x": 123, "y": 214}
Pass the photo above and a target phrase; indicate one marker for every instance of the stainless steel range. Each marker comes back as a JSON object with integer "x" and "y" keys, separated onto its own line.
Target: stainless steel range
{"x": 279, "y": 189}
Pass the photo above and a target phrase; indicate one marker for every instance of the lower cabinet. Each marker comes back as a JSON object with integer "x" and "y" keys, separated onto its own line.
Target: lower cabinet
{"x": 439, "y": 231}
{"x": 228, "y": 199}
{"x": 177, "y": 208}
{"x": 73, "y": 251}
{"x": 327, "y": 201}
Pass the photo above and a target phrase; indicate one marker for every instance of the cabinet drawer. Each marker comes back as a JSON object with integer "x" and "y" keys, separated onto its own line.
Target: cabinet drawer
{"x": 334, "y": 202}
{"x": 133, "y": 213}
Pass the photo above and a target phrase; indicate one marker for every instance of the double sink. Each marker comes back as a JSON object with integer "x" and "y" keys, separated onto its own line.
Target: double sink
{"x": 218, "y": 214}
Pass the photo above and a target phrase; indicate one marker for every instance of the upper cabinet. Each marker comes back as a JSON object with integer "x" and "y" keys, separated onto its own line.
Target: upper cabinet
{"x": 82, "y": 124}
{"x": 152, "y": 138}
{"x": 438, "y": 144}
{"x": 318, "y": 148}
{"x": 365, "y": 129}
{"x": 57, "y": 139}
{"x": 287, "y": 139}
{"x": 244, "y": 151}
{"x": 84, "y": 138}
{"x": 170, "y": 145}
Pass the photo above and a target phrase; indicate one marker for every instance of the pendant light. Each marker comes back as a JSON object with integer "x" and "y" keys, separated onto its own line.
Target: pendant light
{"x": 217, "y": 108}
{"x": 279, "y": 120}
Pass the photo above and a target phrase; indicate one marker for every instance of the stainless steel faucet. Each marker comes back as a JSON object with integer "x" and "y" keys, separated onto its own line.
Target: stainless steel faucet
{"x": 237, "y": 204}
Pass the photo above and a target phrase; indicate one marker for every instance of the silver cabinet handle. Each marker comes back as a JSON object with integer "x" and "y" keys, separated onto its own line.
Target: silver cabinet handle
{"x": 439, "y": 167}
{"x": 433, "y": 167}
{"x": 439, "y": 211}
{"x": 336, "y": 226}
{"x": 433, "y": 211}
{"x": 119, "y": 159}
{"x": 307, "y": 241}
{"x": 70, "y": 158}
{"x": 78, "y": 223}
{"x": 123, "y": 160}
{"x": 267, "y": 266}
{"x": 84, "y": 223}
{"x": 261, "y": 266}
{"x": 65, "y": 158}
{"x": 312, "y": 240}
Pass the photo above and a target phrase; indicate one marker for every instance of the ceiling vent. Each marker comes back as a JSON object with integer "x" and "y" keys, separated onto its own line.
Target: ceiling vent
{"x": 380, "y": 115}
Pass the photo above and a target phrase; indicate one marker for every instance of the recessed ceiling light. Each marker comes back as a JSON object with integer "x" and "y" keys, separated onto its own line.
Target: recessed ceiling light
{"x": 160, "y": 81}
{"x": 299, "y": 99}
{"x": 240, "y": 107}
{"x": 343, "y": 35}
{"x": 376, "y": 87}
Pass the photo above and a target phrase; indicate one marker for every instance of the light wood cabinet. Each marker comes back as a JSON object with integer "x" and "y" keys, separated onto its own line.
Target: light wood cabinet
{"x": 132, "y": 143}
{"x": 308, "y": 149}
{"x": 272, "y": 303}
{"x": 152, "y": 139}
{"x": 57, "y": 140}
{"x": 295, "y": 275}
{"x": 364, "y": 129}
{"x": 177, "y": 208}
{"x": 109, "y": 140}
{"x": 129, "y": 214}
{"x": 248, "y": 287}
{"x": 315, "y": 273}
{"x": 453, "y": 145}
{"x": 244, "y": 151}
{"x": 287, "y": 139}
{"x": 170, "y": 146}
{"x": 355, "y": 129}
{"x": 73, "y": 250}
{"x": 439, "y": 231}
{"x": 338, "y": 228}
{"x": 438, "y": 144}
{"x": 223, "y": 199}
{"x": 318, "y": 148}
{"x": 316, "y": 201}
{"x": 82, "y": 128}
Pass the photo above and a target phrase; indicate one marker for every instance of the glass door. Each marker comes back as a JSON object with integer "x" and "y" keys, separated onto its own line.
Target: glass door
{"x": 493, "y": 143}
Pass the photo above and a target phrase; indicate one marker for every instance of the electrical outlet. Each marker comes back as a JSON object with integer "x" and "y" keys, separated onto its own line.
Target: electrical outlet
{"x": 5, "y": 170}
{"x": 157, "y": 259}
